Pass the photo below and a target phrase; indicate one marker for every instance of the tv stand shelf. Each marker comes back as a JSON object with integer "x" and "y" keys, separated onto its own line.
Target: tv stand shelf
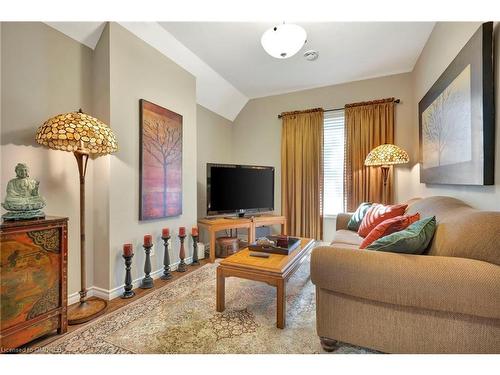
{"x": 212, "y": 226}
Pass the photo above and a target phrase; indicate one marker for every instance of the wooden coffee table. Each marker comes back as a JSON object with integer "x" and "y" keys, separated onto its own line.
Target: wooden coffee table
{"x": 275, "y": 271}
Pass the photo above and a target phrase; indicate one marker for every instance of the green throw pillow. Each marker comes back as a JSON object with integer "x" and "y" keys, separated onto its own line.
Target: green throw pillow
{"x": 412, "y": 240}
{"x": 357, "y": 218}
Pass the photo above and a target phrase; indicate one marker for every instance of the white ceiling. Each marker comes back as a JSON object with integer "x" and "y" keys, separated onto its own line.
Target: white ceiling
{"x": 87, "y": 33}
{"x": 348, "y": 51}
{"x": 231, "y": 66}
{"x": 212, "y": 90}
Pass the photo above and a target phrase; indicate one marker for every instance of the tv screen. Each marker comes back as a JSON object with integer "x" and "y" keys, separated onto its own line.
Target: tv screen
{"x": 239, "y": 188}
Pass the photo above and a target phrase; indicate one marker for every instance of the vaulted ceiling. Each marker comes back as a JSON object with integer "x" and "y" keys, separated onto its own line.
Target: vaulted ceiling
{"x": 231, "y": 66}
{"x": 348, "y": 51}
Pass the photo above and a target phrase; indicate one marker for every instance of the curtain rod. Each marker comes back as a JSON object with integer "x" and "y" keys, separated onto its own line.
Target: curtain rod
{"x": 338, "y": 109}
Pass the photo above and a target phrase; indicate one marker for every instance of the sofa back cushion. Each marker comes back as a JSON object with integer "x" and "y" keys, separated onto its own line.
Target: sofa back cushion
{"x": 376, "y": 214}
{"x": 461, "y": 231}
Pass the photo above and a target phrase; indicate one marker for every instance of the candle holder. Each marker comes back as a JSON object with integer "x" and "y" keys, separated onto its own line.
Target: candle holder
{"x": 182, "y": 254}
{"x": 166, "y": 260}
{"x": 128, "y": 293}
{"x": 195, "y": 261}
{"x": 147, "y": 281}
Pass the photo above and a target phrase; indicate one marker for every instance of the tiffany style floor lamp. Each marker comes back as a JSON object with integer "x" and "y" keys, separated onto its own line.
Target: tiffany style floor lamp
{"x": 83, "y": 135}
{"x": 384, "y": 156}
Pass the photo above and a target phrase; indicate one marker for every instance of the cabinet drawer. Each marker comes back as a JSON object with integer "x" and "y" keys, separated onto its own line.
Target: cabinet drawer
{"x": 29, "y": 333}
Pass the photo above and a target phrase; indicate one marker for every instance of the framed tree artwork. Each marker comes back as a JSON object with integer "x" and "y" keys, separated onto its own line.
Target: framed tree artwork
{"x": 160, "y": 162}
{"x": 457, "y": 119}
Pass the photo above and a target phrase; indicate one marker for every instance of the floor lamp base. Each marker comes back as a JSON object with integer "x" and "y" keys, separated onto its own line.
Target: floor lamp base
{"x": 86, "y": 310}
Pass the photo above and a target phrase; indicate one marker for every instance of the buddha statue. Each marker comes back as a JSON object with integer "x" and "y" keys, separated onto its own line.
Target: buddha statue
{"x": 23, "y": 200}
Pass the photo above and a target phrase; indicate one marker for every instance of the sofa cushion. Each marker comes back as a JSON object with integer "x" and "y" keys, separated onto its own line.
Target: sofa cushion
{"x": 413, "y": 240}
{"x": 376, "y": 214}
{"x": 347, "y": 237}
{"x": 357, "y": 217}
{"x": 389, "y": 226}
{"x": 461, "y": 231}
{"x": 345, "y": 246}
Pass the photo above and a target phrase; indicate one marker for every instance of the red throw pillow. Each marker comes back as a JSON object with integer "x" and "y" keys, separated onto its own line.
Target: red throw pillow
{"x": 378, "y": 213}
{"x": 389, "y": 226}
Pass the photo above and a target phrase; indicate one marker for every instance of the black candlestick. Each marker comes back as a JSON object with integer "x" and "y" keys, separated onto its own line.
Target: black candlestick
{"x": 147, "y": 281}
{"x": 195, "y": 251}
{"x": 182, "y": 255}
{"x": 166, "y": 260}
{"x": 128, "y": 293}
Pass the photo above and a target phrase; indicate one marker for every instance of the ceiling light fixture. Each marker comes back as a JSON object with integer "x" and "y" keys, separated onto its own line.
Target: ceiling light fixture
{"x": 283, "y": 41}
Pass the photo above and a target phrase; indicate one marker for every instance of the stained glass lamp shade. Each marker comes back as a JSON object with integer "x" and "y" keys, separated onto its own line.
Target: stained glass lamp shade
{"x": 77, "y": 131}
{"x": 83, "y": 135}
{"x": 386, "y": 155}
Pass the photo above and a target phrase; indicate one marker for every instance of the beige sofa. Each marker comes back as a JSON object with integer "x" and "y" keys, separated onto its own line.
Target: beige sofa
{"x": 447, "y": 301}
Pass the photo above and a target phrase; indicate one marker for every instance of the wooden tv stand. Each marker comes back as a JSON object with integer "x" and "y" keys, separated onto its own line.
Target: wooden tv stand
{"x": 212, "y": 226}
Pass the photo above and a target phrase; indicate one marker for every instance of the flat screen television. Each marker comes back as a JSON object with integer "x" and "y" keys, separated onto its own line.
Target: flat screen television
{"x": 239, "y": 189}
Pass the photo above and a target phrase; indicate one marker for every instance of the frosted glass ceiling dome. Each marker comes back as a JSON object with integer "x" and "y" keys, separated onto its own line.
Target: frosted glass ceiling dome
{"x": 283, "y": 41}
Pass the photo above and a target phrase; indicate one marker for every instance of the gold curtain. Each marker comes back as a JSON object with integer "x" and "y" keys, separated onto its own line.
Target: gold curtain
{"x": 368, "y": 125}
{"x": 302, "y": 172}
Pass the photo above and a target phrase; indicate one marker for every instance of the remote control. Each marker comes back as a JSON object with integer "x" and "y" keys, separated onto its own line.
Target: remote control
{"x": 257, "y": 254}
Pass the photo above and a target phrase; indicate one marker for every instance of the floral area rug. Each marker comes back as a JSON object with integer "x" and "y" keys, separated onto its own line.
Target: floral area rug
{"x": 181, "y": 318}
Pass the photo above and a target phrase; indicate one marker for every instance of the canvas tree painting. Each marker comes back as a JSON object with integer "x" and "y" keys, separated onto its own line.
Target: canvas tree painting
{"x": 456, "y": 118}
{"x": 446, "y": 125}
{"x": 161, "y": 162}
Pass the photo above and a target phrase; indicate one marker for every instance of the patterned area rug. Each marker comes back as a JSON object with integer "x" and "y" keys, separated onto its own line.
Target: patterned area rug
{"x": 181, "y": 318}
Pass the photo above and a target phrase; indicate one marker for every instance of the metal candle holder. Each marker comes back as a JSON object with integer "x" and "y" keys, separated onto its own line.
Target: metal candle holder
{"x": 128, "y": 293}
{"x": 166, "y": 260}
{"x": 195, "y": 251}
{"x": 147, "y": 281}
{"x": 182, "y": 255}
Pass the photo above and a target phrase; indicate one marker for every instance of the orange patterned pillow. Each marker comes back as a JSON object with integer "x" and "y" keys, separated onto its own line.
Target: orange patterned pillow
{"x": 378, "y": 213}
{"x": 389, "y": 226}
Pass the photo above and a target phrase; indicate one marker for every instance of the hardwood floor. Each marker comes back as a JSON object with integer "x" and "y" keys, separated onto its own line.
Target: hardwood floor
{"x": 113, "y": 305}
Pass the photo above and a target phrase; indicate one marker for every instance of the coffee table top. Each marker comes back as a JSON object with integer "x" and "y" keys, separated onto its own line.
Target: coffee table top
{"x": 275, "y": 264}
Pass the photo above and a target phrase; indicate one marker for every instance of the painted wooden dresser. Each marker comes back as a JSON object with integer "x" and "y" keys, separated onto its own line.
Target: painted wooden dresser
{"x": 33, "y": 279}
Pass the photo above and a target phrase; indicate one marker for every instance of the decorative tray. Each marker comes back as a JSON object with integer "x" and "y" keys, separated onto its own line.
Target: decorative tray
{"x": 293, "y": 243}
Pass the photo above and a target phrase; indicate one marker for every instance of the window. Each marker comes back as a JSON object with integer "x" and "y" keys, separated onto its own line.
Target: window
{"x": 333, "y": 163}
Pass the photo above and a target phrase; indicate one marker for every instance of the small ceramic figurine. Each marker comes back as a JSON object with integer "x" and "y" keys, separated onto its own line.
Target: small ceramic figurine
{"x": 23, "y": 200}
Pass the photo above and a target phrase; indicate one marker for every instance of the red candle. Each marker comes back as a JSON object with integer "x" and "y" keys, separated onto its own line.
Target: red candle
{"x": 127, "y": 249}
{"x": 182, "y": 231}
{"x": 194, "y": 231}
{"x": 148, "y": 240}
{"x": 165, "y": 232}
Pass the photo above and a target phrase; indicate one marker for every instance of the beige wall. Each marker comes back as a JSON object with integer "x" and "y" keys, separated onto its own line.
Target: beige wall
{"x": 256, "y": 137}
{"x": 45, "y": 73}
{"x": 445, "y": 42}
{"x": 213, "y": 138}
{"x": 138, "y": 71}
{"x": 101, "y": 166}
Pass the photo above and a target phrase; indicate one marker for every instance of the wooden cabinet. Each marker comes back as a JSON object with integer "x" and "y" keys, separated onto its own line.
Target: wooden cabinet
{"x": 33, "y": 279}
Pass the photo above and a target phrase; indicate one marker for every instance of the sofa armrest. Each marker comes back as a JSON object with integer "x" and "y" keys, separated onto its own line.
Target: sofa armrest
{"x": 451, "y": 284}
{"x": 342, "y": 220}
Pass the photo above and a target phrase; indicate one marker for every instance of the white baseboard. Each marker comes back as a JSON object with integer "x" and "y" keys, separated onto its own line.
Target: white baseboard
{"x": 108, "y": 295}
